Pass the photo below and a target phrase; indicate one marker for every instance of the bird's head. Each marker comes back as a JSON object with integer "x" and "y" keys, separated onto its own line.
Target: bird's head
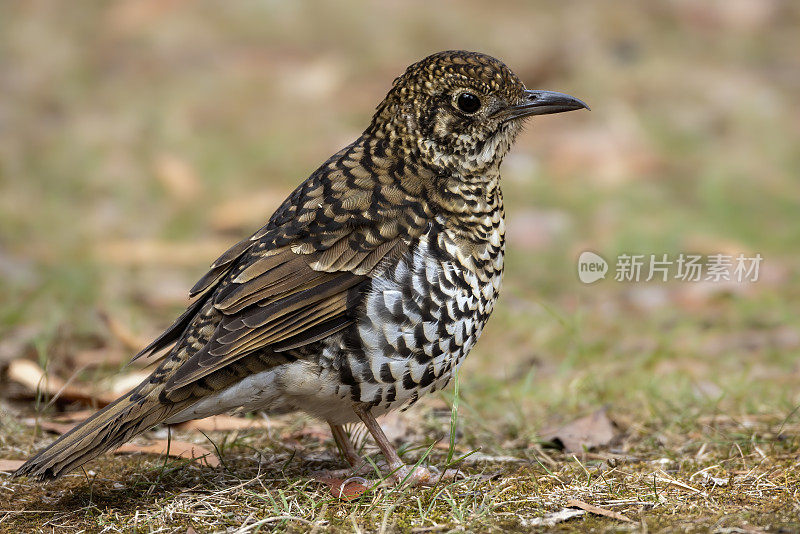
{"x": 461, "y": 111}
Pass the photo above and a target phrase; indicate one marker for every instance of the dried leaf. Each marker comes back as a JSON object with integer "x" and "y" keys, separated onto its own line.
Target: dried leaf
{"x": 345, "y": 489}
{"x": 575, "y": 503}
{"x": 594, "y": 430}
{"x": 32, "y": 376}
{"x": 177, "y": 449}
{"x": 10, "y": 466}
{"x": 26, "y": 372}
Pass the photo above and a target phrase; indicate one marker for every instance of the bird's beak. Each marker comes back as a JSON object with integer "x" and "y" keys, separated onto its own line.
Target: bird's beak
{"x": 535, "y": 102}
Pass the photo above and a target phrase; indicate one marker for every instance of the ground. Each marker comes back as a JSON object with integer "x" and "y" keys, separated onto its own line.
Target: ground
{"x": 138, "y": 139}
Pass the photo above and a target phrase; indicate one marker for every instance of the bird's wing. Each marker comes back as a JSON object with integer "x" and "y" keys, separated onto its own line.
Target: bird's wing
{"x": 283, "y": 300}
{"x": 298, "y": 279}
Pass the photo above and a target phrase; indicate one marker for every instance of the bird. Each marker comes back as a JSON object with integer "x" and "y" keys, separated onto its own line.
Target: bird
{"x": 364, "y": 291}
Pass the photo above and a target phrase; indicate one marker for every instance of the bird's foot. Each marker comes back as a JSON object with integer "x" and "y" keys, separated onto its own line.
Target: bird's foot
{"x": 422, "y": 476}
{"x": 413, "y": 476}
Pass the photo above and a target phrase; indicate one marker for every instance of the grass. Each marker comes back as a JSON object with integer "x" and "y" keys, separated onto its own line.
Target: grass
{"x": 690, "y": 148}
{"x": 732, "y": 476}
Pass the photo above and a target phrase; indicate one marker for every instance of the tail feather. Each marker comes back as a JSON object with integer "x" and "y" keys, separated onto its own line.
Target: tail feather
{"x": 110, "y": 427}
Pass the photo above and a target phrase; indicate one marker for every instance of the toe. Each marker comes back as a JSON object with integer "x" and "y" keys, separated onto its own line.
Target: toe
{"x": 416, "y": 476}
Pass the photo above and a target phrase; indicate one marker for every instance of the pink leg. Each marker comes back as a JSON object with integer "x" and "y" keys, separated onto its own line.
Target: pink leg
{"x": 401, "y": 471}
{"x": 346, "y": 448}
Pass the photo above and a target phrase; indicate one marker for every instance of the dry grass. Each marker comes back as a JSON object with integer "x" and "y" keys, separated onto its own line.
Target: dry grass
{"x": 139, "y": 138}
{"x": 734, "y": 474}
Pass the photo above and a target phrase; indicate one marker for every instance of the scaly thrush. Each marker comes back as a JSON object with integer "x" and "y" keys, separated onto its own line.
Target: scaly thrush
{"x": 367, "y": 287}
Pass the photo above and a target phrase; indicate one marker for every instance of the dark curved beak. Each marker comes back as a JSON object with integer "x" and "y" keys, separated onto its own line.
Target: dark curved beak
{"x": 536, "y": 102}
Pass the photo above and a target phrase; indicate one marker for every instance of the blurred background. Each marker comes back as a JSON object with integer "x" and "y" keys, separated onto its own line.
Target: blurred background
{"x": 140, "y": 138}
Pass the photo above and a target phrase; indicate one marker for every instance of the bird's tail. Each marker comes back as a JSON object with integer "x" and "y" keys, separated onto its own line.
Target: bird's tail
{"x": 110, "y": 427}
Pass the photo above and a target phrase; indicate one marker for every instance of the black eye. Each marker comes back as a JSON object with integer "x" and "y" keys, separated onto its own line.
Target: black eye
{"x": 468, "y": 103}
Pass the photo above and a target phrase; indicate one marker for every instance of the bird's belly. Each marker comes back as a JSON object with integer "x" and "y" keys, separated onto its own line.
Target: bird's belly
{"x": 303, "y": 385}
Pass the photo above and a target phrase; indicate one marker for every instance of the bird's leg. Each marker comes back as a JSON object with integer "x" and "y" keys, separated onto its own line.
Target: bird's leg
{"x": 401, "y": 472}
{"x": 359, "y": 466}
{"x": 345, "y": 446}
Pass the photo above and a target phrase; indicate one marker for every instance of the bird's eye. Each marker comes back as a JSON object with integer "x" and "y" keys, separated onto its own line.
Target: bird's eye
{"x": 468, "y": 102}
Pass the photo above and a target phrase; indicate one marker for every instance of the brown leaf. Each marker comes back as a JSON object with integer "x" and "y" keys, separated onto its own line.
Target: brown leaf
{"x": 31, "y": 375}
{"x": 177, "y": 449}
{"x": 26, "y": 372}
{"x": 594, "y": 430}
{"x": 10, "y": 465}
{"x": 575, "y": 503}
{"x": 225, "y": 422}
{"x": 345, "y": 489}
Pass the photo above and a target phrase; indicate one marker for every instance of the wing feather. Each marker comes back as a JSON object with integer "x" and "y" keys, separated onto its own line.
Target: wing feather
{"x": 282, "y": 300}
{"x": 300, "y": 277}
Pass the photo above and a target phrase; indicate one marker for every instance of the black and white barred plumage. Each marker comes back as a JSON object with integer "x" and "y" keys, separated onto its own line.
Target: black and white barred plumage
{"x": 366, "y": 289}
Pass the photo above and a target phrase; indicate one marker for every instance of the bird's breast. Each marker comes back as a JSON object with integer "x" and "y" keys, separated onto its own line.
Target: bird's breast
{"x": 421, "y": 317}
